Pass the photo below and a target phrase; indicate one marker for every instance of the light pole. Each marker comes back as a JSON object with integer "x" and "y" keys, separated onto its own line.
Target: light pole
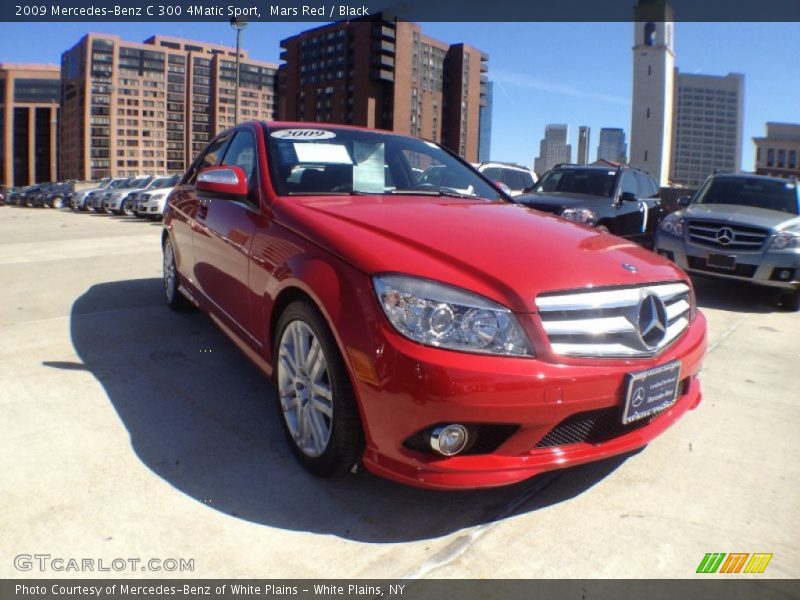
{"x": 238, "y": 25}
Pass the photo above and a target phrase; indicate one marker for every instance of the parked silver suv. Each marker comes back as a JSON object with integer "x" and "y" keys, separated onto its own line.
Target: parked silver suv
{"x": 744, "y": 227}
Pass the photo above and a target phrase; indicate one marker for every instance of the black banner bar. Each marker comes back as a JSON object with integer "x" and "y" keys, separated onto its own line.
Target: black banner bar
{"x": 412, "y": 10}
{"x": 715, "y": 588}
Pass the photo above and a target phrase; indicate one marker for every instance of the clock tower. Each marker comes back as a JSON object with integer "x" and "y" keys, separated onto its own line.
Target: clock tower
{"x": 653, "y": 88}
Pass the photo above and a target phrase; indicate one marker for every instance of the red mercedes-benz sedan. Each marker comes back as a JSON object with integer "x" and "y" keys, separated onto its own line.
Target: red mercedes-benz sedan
{"x": 415, "y": 320}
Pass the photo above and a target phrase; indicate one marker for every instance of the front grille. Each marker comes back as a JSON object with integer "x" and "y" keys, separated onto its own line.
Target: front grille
{"x": 740, "y": 270}
{"x": 736, "y": 237}
{"x": 483, "y": 438}
{"x": 605, "y": 322}
{"x": 596, "y": 426}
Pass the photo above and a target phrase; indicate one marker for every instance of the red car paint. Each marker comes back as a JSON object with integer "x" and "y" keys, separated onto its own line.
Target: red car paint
{"x": 239, "y": 262}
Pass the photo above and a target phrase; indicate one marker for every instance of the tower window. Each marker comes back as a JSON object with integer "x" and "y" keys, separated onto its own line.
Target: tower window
{"x": 649, "y": 70}
{"x": 648, "y": 115}
{"x": 645, "y": 156}
{"x": 649, "y": 34}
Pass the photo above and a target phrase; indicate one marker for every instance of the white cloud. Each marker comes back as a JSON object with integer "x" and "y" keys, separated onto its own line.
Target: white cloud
{"x": 525, "y": 81}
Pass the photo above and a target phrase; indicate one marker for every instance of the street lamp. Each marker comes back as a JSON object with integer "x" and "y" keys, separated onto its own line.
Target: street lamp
{"x": 238, "y": 24}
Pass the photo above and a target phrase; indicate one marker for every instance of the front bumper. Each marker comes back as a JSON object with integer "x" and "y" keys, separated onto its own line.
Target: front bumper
{"x": 410, "y": 387}
{"x": 759, "y": 267}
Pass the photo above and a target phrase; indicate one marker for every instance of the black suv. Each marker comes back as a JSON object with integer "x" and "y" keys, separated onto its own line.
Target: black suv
{"x": 622, "y": 200}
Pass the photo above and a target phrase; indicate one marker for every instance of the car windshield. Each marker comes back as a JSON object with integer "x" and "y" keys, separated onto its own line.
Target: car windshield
{"x": 595, "y": 182}
{"x": 120, "y": 183}
{"x": 329, "y": 160}
{"x": 746, "y": 191}
{"x": 139, "y": 182}
{"x": 162, "y": 182}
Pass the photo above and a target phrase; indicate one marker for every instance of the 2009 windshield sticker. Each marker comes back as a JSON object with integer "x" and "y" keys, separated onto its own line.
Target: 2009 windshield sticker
{"x": 303, "y": 134}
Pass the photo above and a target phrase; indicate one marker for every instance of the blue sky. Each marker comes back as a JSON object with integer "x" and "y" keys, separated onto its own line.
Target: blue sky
{"x": 574, "y": 73}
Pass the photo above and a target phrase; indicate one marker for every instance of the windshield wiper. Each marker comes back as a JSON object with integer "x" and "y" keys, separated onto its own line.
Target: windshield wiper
{"x": 440, "y": 192}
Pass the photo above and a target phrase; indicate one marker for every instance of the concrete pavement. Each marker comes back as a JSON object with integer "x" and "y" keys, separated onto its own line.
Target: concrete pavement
{"x": 128, "y": 431}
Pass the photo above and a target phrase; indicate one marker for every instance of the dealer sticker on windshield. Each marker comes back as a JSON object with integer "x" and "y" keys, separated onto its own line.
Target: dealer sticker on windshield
{"x": 303, "y": 134}
{"x": 651, "y": 391}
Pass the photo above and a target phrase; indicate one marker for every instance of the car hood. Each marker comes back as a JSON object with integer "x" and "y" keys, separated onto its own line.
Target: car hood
{"x": 505, "y": 252}
{"x": 554, "y": 200}
{"x": 740, "y": 214}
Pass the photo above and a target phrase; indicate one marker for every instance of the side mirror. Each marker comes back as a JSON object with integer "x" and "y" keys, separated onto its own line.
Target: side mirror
{"x": 628, "y": 197}
{"x": 503, "y": 187}
{"x": 684, "y": 200}
{"x": 222, "y": 180}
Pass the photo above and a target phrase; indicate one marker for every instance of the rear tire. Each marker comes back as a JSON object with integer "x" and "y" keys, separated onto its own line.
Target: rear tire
{"x": 314, "y": 393}
{"x": 172, "y": 295}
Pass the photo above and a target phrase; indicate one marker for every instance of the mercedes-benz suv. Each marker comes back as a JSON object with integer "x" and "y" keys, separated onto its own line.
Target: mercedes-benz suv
{"x": 739, "y": 226}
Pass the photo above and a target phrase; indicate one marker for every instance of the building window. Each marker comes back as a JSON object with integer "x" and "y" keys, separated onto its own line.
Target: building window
{"x": 770, "y": 157}
{"x": 645, "y": 156}
{"x": 648, "y": 113}
{"x": 792, "y": 159}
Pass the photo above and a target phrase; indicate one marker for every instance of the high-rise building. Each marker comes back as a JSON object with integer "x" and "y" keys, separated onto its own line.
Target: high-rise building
{"x": 131, "y": 108}
{"x": 485, "y": 125}
{"x": 612, "y": 145}
{"x": 553, "y": 149}
{"x": 583, "y": 144}
{"x": 29, "y": 105}
{"x": 653, "y": 88}
{"x": 778, "y": 153}
{"x": 707, "y": 126}
{"x": 385, "y": 74}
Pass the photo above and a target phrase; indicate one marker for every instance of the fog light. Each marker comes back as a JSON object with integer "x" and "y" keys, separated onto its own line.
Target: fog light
{"x": 449, "y": 440}
{"x": 785, "y": 274}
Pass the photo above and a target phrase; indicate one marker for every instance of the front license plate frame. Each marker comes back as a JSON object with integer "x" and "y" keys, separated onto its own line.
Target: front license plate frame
{"x": 721, "y": 261}
{"x": 651, "y": 391}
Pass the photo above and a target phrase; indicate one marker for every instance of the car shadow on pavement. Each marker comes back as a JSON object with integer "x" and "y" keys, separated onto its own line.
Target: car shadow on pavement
{"x": 202, "y": 418}
{"x": 735, "y": 296}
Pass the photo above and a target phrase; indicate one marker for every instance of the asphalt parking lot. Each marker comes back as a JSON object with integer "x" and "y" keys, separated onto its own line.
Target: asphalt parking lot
{"x": 127, "y": 430}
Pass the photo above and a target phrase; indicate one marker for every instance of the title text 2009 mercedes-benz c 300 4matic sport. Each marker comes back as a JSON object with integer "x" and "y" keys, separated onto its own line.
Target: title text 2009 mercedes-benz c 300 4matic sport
{"x": 440, "y": 335}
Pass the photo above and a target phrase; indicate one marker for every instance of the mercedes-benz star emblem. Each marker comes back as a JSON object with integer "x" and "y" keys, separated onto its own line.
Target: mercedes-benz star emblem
{"x": 638, "y": 397}
{"x": 725, "y": 235}
{"x": 651, "y": 320}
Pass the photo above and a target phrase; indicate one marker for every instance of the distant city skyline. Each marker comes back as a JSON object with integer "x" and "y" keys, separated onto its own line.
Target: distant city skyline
{"x": 589, "y": 84}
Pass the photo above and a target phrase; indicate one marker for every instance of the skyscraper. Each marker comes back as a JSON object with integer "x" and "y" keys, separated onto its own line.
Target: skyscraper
{"x": 29, "y": 101}
{"x": 612, "y": 145}
{"x": 553, "y": 149}
{"x": 653, "y": 88}
{"x": 707, "y": 126}
{"x": 130, "y": 108}
{"x": 385, "y": 73}
{"x": 583, "y": 144}
{"x": 485, "y": 125}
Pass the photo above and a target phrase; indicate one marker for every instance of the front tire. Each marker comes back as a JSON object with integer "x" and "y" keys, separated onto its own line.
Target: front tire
{"x": 790, "y": 300}
{"x": 57, "y": 202}
{"x": 126, "y": 209}
{"x": 314, "y": 393}
{"x": 172, "y": 295}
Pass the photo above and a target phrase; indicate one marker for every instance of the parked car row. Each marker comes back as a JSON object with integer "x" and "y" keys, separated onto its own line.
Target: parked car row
{"x": 142, "y": 196}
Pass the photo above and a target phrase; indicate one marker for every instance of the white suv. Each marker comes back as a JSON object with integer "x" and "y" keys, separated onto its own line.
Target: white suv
{"x": 517, "y": 178}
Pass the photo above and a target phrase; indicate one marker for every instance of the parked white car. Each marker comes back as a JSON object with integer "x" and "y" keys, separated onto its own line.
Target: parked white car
{"x": 516, "y": 178}
{"x": 153, "y": 201}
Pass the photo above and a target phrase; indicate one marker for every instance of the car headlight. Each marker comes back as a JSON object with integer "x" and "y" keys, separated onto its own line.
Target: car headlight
{"x": 157, "y": 197}
{"x": 786, "y": 240}
{"x": 580, "y": 215}
{"x": 443, "y": 316}
{"x": 672, "y": 224}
